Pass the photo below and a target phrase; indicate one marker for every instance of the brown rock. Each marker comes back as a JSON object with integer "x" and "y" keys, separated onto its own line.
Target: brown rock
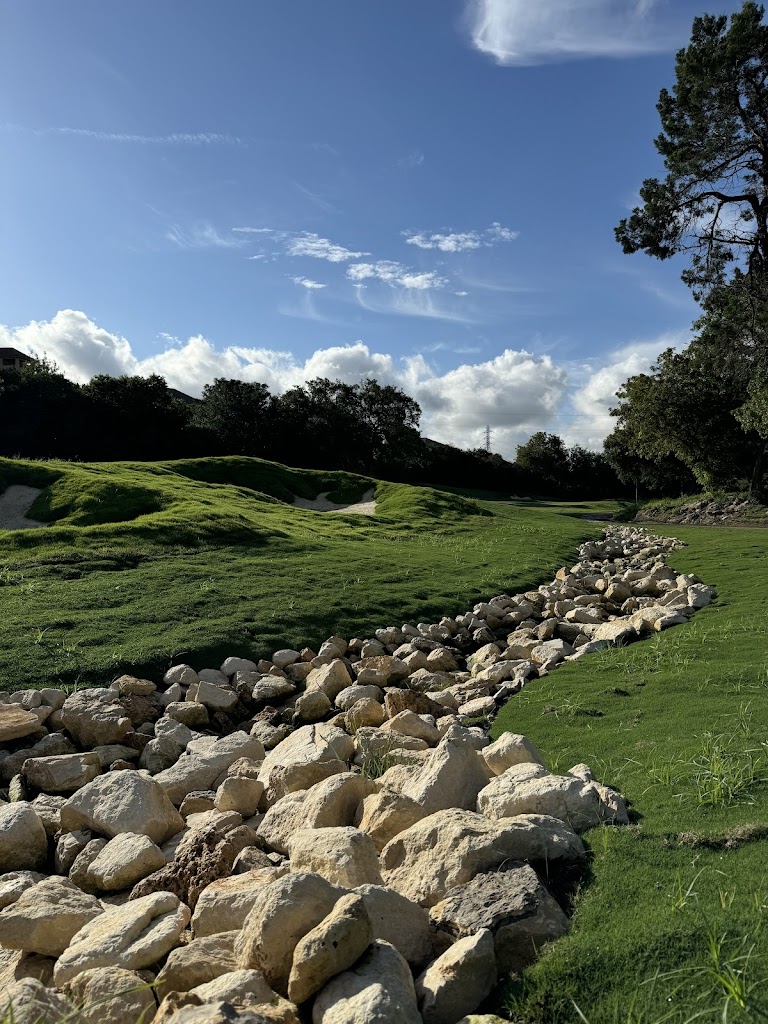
{"x": 202, "y": 857}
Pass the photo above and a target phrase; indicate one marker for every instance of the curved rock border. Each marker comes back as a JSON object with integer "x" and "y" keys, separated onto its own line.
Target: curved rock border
{"x": 324, "y": 833}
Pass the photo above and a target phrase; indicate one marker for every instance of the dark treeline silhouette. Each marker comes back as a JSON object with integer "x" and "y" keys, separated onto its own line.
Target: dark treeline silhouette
{"x": 365, "y": 428}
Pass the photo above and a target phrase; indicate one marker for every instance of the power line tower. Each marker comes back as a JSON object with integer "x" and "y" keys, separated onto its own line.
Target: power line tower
{"x": 488, "y": 438}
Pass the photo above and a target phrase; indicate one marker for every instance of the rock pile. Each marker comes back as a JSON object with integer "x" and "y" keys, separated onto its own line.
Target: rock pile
{"x": 708, "y": 512}
{"x": 325, "y": 835}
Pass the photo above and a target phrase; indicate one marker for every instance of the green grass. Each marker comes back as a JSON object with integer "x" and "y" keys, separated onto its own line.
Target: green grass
{"x": 669, "y": 923}
{"x": 148, "y": 564}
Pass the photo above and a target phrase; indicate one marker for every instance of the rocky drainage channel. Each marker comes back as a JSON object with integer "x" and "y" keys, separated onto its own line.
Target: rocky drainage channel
{"x": 321, "y": 837}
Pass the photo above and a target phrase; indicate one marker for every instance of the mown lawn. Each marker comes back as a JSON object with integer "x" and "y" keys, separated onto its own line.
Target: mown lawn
{"x": 672, "y": 922}
{"x": 149, "y": 564}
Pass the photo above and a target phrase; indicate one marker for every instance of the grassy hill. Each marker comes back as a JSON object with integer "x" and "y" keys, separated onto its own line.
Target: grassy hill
{"x": 149, "y": 563}
{"x": 672, "y": 923}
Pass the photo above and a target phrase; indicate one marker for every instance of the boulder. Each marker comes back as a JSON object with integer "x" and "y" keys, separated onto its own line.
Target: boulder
{"x": 383, "y": 670}
{"x": 531, "y": 789}
{"x": 451, "y": 777}
{"x": 379, "y": 989}
{"x": 408, "y": 723}
{"x": 239, "y": 793}
{"x": 122, "y": 802}
{"x": 450, "y": 847}
{"x": 95, "y": 717}
{"x": 312, "y": 706}
{"x": 352, "y": 694}
{"x": 513, "y": 904}
{"x": 29, "y": 1002}
{"x": 224, "y": 905}
{"x": 508, "y": 750}
{"x": 364, "y": 713}
{"x": 203, "y": 762}
{"x": 344, "y": 856}
{"x": 331, "y": 947}
{"x": 294, "y": 777}
{"x": 132, "y": 936}
{"x": 111, "y": 995}
{"x": 386, "y": 814}
{"x": 15, "y": 722}
{"x": 459, "y": 980}
{"x": 237, "y": 987}
{"x": 125, "y": 860}
{"x": 330, "y": 679}
{"x": 203, "y": 856}
{"x": 287, "y": 909}
{"x": 46, "y": 916}
{"x": 196, "y": 963}
{"x": 23, "y": 839}
{"x": 395, "y": 919}
{"x": 328, "y": 804}
{"x": 308, "y": 745}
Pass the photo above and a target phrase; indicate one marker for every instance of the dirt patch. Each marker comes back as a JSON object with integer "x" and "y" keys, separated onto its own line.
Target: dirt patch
{"x": 15, "y": 502}
{"x": 365, "y": 507}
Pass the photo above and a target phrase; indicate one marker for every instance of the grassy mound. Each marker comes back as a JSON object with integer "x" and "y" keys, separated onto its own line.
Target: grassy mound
{"x": 671, "y": 922}
{"x": 146, "y": 564}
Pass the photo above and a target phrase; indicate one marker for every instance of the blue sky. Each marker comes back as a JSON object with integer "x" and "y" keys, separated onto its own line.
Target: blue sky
{"x": 423, "y": 192}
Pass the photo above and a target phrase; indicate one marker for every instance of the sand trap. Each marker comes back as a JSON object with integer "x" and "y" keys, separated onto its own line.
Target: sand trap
{"x": 15, "y": 502}
{"x": 365, "y": 507}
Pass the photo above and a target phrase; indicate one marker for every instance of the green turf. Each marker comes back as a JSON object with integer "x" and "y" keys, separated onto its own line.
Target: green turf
{"x": 649, "y": 719}
{"x": 195, "y": 560}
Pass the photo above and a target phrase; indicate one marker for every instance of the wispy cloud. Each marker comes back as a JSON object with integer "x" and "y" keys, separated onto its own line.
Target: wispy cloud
{"x": 522, "y": 32}
{"x": 170, "y": 139}
{"x": 316, "y": 199}
{"x": 310, "y": 244}
{"x": 308, "y": 283}
{"x": 254, "y": 231}
{"x": 393, "y": 273}
{"x": 461, "y": 241}
{"x": 201, "y": 235}
{"x": 414, "y": 159}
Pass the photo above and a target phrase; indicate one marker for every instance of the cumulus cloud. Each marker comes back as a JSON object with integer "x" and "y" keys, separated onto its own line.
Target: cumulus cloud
{"x": 307, "y": 282}
{"x": 310, "y": 244}
{"x": 461, "y": 241}
{"x": 521, "y": 32}
{"x": 591, "y": 421}
{"x": 393, "y": 273}
{"x": 516, "y": 392}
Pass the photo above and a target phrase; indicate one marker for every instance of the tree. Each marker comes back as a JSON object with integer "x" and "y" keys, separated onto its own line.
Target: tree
{"x": 544, "y": 458}
{"x": 713, "y": 202}
{"x": 134, "y": 418}
{"x": 42, "y": 414}
{"x": 240, "y": 414}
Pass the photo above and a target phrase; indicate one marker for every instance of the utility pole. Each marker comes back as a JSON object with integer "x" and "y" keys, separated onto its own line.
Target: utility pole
{"x": 488, "y": 438}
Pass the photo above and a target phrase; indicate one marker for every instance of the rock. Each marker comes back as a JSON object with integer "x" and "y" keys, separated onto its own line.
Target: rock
{"x": 364, "y": 713}
{"x": 381, "y": 671}
{"x": 198, "y": 802}
{"x": 508, "y": 750}
{"x": 232, "y": 666}
{"x": 551, "y": 652}
{"x": 15, "y": 722}
{"x": 122, "y": 802}
{"x": 450, "y": 847}
{"x": 29, "y": 1002}
{"x": 111, "y": 995}
{"x": 246, "y": 989}
{"x": 397, "y": 920}
{"x": 292, "y": 778}
{"x": 203, "y": 856}
{"x": 385, "y": 815}
{"x": 618, "y": 632}
{"x": 124, "y": 861}
{"x": 23, "y": 839}
{"x": 331, "y": 679}
{"x": 203, "y": 761}
{"x": 531, "y": 789}
{"x": 95, "y": 717}
{"x": 285, "y": 657}
{"x": 459, "y": 980}
{"x": 352, "y": 694}
{"x": 312, "y": 706}
{"x": 271, "y": 688}
{"x": 183, "y": 675}
{"x": 224, "y": 905}
{"x": 344, "y": 856}
{"x": 513, "y": 903}
{"x": 196, "y": 963}
{"x": 378, "y": 989}
{"x": 46, "y": 916}
{"x": 330, "y": 803}
{"x": 479, "y": 707}
{"x": 331, "y": 947}
{"x": 407, "y": 723}
{"x": 54, "y": 743}
{"x": 108, "y": 753}
{"x": 48, "y": 810}
{"x": 78, "y": 873}
{"x": 185, "y": 1010}
{"x": 451, "y": 777}
{"x": 132, "y": 936}
{"x": 61, "y": 774}
{"x": 193, "y": 716}
{"x": 376, "y": 747}
{"x": 398, "y": 700}
{"x": 288, "y": 908}
{"x": 135, "y": 687}
{"x": 214, "y": 697}
{"x": 239, "y": 793}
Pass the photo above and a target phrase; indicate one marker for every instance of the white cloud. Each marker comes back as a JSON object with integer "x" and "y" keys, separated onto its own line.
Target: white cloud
{"x": 200, "y": 236}
{"x": 254, "y": 231}
{"x": 414, "y": 159}
{"x": 524, "y": 32}
{"x": 310, "y": 244}
{"x": 395, "y": 274}
{"x": 516, "y": 392}
{"x": 171, "y": 139}
{"x": 591, "y": 421}
{"x": 308, "y": 283}
{"x": 461, "y": 241}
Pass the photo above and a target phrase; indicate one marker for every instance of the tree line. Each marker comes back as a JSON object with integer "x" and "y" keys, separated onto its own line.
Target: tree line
{"x": 700, "y": 417}
{"x": 365, "y": 428}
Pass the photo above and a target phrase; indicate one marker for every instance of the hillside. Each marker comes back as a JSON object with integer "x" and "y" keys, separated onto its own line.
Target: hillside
{"x": 143, "y": 564}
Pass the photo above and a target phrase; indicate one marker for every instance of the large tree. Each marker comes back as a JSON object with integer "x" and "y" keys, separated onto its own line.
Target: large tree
{"x": 713, "y": 202}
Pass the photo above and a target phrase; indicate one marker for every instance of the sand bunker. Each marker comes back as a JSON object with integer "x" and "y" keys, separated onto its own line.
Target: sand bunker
{"x": 15, "y": 502}
{"x": 365, "y": 507}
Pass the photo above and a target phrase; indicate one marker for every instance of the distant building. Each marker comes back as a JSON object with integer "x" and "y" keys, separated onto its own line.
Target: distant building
{"x": 12, "y": 359}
